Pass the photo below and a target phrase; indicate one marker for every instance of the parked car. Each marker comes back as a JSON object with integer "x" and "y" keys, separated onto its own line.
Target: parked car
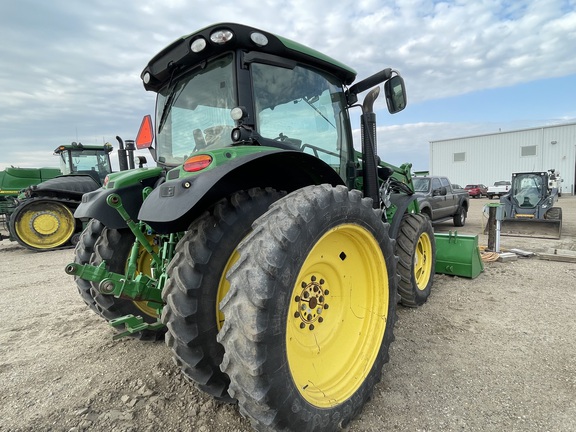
{"x": 476, "y": 190}
{"x": 456, "y": 186}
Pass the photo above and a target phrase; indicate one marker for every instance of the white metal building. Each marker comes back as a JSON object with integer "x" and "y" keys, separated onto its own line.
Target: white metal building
{"x": 493, "y": 157}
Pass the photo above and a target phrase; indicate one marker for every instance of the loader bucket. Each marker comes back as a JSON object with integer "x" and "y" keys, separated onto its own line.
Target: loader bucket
{"x": 458, "y": 255}
{"x": 529, "y": 227}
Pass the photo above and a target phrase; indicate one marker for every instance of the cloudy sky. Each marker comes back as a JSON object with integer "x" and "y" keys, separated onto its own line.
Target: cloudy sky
{"x": 70, "y": 71}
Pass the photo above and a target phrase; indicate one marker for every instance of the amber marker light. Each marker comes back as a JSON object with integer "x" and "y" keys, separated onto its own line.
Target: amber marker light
{"x": 197, "y": 163}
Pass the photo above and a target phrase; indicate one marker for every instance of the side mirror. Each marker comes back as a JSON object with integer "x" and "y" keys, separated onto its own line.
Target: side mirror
{"x": 395, "y": 94}
{"x": 439, "y": 191}
{"x": 145, "y": 136}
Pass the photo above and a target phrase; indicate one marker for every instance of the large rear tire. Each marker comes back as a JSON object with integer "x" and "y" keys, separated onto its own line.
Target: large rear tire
{"x": 310, "y": 311}
{"x": 42, "y": 224}
{"x": 82, "y": 253}
{"x": 114, "y": 247}
{"x": 416, "y": 250}
{"x": 196, "y": 285}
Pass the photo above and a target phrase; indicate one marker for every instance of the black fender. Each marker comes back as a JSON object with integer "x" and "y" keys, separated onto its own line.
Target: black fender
{"x": 71, "y": 186}
{"x": 402, "y": 202}
{"x": 94, "y": 205}
{"x": 176, "y": 203}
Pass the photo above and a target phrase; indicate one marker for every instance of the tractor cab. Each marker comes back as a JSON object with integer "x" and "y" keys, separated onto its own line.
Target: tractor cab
{"x": 230, "y": 89}
{"x": 77, "y": 158}
{"x": 530, "y": 191}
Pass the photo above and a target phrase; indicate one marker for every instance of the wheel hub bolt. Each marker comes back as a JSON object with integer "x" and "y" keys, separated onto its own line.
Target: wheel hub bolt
{"x": 311, "y": 302}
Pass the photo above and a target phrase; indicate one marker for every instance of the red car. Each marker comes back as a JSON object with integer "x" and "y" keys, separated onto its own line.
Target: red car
{"x": 476, "y": 190}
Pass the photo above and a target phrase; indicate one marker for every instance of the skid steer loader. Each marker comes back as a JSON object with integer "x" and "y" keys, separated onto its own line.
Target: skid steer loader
{"x": 529, "y": 209}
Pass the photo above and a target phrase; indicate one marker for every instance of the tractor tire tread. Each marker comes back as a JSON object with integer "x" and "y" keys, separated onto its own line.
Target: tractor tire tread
{"x": 411, "y": 228}
{"x": 189, "y": 296}
{"x": 247, "y": 333}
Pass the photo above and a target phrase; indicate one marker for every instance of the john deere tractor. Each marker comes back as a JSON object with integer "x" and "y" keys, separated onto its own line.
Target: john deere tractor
{"x": 267, "y": 251}
{"x": 41, "y": 218}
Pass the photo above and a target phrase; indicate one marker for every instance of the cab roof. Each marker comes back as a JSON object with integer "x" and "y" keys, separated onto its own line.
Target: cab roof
{"x": 179, "y": 56}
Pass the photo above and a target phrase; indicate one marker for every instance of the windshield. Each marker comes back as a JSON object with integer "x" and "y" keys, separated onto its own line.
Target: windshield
{"x": 304, "y": 107}
{"x": 74, "y": 161}
{"x": 421, "y": 184}
{"x": 528, "y": 189}
{"x": 198, "y": 112}
{"x": 298, "y": 108}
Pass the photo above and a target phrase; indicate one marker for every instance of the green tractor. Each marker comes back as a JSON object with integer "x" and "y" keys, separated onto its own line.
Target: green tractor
{"x": 266, "y": 250}
{"x": 40, "y": 217}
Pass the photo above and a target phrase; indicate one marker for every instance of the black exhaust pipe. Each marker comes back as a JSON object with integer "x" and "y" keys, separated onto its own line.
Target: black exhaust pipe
{"x": 122, "y": 158}
{"x": 369, "y": 149}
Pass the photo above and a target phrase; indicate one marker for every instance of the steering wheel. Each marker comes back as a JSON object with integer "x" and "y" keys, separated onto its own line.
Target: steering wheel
{"x": 211, "y": 136}
{"x": 288, "y": 143}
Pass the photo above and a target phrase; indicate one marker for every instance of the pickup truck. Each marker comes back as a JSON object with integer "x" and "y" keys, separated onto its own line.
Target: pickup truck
{"x": 440, "y": 201}
{"x": 499, "y": 189}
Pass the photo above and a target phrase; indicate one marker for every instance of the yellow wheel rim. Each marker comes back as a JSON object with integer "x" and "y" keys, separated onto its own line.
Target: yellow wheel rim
{"x": 223, "y": 288}
{"x": 337, "y": 315}
{"x": 423, "y": 261}
{"x": 144, "y": 265}
{"x": 45, "y": 225}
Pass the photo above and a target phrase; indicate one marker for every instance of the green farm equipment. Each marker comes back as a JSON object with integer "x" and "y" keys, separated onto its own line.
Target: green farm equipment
{"x": 267, "y": 251}
{"x": 14, "y": 179}
{"x": 41, "y": 217}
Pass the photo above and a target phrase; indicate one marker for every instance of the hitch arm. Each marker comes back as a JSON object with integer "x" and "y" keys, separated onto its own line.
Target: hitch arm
{"x": 141, "y": 288}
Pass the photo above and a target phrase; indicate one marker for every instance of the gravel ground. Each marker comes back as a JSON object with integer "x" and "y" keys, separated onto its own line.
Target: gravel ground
{"x": 492, "y": 353}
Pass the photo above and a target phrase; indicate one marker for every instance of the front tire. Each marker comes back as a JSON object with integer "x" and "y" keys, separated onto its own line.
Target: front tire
{"x": 310, "y": 311}
{"x": 196, "y": 285}
{"x": 460, "y": 217}
{"x": 416, "y": 250}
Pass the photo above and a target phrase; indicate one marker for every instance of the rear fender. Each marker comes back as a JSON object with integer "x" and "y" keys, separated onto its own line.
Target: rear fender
{"x": 176, "y": 203}
{"x": 95, "y": 206}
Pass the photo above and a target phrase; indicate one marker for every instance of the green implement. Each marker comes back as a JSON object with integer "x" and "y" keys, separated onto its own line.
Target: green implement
{"x": 458, "y": 255}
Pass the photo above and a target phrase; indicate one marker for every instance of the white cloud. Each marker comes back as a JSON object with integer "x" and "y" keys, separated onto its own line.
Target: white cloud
{"x": 70, "y": 70}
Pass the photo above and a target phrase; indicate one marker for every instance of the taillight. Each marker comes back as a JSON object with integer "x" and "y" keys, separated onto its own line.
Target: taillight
{"x": 197, "y": 163}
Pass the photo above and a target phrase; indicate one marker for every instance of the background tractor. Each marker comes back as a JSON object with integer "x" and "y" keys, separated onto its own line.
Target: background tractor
{"x": 266, "y": 249}
{"x": 41, "y": 217}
